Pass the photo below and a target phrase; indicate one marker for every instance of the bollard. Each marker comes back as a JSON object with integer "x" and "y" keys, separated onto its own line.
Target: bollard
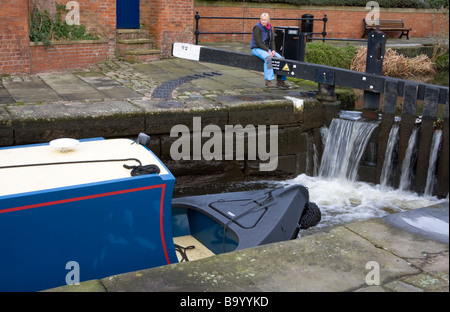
{"x": 307, "y": 25}
{"x": 374, "y": 65}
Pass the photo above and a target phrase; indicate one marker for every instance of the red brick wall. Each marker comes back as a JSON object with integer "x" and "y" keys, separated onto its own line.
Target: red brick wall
{"x": 173, "y": 21}
{"x": 99, "y": 16}
{"x": 17, "y": 57}
{"x": 67, "y": 56}
{"x": 169, "y": 21}
{"x": 14, "y": 42}
{"x": 342, "y": 22}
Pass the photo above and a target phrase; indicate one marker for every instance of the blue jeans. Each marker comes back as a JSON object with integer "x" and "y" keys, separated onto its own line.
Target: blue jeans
{"x": 268, "y": 70}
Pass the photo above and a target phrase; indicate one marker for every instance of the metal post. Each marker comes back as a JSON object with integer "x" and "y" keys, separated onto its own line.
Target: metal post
{"x": 301, "y": 47}
{"x": 374, "y": 65}
{"x": 324, "y": 32}
{"x": 197, "y": 32}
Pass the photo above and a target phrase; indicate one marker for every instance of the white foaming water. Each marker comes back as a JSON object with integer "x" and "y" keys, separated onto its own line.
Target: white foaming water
{"x": 341, "y": 198}
{"x": 342, "y": 201}
{"x": 387, "y": 165}
{"x": 431, "y": 178}
{"x": 405, "y": 179}
{"x": 344, "y": 147}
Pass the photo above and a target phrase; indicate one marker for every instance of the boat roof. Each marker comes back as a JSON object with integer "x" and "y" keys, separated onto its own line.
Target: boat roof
{"x": 37, "y": 178}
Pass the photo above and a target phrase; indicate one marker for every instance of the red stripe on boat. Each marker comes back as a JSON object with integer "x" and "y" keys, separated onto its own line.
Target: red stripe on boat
{"x": 70, "y": 200}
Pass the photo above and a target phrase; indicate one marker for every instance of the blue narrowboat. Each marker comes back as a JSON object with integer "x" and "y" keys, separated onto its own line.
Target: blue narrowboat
{"x": 76, "y": 210}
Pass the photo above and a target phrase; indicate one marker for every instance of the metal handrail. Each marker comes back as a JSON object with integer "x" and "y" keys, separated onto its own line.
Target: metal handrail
{"x": 198, "y": 17}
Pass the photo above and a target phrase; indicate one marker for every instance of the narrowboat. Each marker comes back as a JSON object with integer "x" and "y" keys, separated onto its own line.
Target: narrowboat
{"x": 76, "y": 210}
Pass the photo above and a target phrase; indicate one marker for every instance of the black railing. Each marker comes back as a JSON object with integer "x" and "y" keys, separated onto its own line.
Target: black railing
{"x": 197, "y": 32}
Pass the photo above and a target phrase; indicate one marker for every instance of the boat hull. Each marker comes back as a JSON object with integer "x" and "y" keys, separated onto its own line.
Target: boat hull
{"x": 60, "y": 236}
{"x": 239, "y": 220}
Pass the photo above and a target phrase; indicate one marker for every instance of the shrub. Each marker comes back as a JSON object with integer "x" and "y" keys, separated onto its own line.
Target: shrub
{"x": 397, "y": 65}
{"x": 44, "y": 27}
{"x": 331, "y": 55}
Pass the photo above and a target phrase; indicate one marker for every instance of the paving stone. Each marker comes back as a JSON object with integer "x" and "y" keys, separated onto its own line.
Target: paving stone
{"x": 399, "y": 286}
{"x": 34, "y": 91}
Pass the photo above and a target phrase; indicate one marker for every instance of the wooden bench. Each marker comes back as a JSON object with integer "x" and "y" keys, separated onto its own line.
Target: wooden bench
{"x": 387, "y": 25}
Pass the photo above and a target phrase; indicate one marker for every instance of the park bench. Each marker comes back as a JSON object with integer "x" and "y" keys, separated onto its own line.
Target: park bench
{"x": 387, "y": 25}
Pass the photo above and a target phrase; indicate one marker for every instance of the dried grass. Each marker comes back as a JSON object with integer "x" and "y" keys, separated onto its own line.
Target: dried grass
{"x": 397, "y": 65}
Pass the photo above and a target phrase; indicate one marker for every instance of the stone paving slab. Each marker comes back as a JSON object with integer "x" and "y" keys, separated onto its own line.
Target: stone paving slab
{"x": 72, "y": 88}
{"x": 31, "y": 90}
{"x": 5, "y": 97}
{"x": 111, "y": 88}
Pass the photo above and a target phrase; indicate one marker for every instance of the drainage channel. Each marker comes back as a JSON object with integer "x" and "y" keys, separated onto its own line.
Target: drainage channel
{"x": 164, "y": 91}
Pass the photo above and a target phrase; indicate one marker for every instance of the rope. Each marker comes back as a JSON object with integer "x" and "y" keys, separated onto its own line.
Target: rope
{"x": 136, "y": 170}
{"x": 260, "y": 205}
{"x": 182, "y": 251}
{"x": 141, "y": 170}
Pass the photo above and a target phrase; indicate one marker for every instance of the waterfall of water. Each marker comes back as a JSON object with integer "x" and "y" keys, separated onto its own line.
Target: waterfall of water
{"x": 386, "y": 171}
{"x": 434, "y": 152}
{"x": 405, "y": 179}
{"x": 342, "y": 200}
{"x": 316, "y": 161}
{"x": 345, "y": 145}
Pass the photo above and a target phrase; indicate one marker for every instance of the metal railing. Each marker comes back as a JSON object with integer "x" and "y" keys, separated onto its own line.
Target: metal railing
{"x": 197, "y": 32}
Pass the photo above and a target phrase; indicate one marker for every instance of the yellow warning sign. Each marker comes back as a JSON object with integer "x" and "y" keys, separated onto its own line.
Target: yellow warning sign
{"x": 286, "y": 67}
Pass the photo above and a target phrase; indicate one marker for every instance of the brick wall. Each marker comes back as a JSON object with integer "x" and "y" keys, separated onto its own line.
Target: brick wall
{"x": 67, "y": 56}
{"x": 173, "y": 21}
{"x": 168, "y": 21}
{"x": 343, "y": 22}
{"x": 18, "y": 57}
{"x": 14, "y": 42}
{"x": 99, "y": 17}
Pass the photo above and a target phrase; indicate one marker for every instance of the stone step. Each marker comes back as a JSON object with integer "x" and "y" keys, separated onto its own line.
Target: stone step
{"x": 132, "y": 33}
{"x": 142, "y": 55}
{"x": 121, "y": 48}
{"x": 135, "y": 41}
{"x": 142, "y": 52}
{"x": 135, "y": 46}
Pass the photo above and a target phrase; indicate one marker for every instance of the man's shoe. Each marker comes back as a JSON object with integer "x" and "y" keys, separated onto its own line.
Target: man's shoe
{"x": 282, "y": 85}
{"x": 269, "y": 84}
